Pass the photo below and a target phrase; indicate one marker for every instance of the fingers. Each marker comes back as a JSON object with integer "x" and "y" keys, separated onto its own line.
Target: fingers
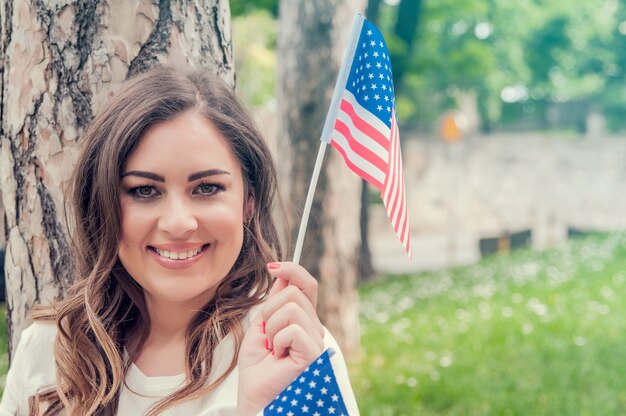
{"x": 295, "y": 341}
{"x": 291, "y": 274}
{"x": 293, "y": 314}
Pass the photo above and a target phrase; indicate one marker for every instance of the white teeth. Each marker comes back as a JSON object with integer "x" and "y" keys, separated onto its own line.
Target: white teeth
{"x": 183, "y": 255}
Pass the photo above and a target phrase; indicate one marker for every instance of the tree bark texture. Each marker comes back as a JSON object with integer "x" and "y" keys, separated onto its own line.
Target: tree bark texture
{"x": 61, "y": 60}
{"x": 311, "y": 43}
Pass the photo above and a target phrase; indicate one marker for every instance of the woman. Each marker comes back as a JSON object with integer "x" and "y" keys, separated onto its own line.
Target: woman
{"x": 173, "y": 310}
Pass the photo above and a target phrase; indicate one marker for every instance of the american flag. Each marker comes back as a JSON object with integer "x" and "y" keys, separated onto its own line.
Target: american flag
{"x": 314, "y": 392}
{"x": 365, "y": 130}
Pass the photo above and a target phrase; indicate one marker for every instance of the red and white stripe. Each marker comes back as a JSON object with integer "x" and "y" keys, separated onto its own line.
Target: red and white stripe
{"x": 372, "y": 151}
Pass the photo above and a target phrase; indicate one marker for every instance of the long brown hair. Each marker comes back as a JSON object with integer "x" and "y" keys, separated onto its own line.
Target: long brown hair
{"x": 106, "y": 306}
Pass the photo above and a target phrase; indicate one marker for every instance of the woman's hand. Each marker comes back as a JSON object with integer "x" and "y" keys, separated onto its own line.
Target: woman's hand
{"x": 283, "y": 339}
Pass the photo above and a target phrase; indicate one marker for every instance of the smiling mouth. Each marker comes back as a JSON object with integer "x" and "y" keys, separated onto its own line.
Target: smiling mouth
{"x": 179, "y": 255}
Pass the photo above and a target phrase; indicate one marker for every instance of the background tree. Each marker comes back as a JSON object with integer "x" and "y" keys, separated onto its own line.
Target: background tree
{"x": 311, "y": 42}
{"x": 60, "y": 62}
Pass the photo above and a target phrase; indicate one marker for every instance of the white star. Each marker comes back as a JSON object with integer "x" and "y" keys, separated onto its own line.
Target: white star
{"x": 289, "y": 388}
{"x": 379, "y": 108}
{"x": 386, "y": 67}
{"x": 353, "y": 84}
{"x": 375, "y": 54}
{"x": 381, "y": 76}
{"x": 327, "y": 378}
{"x": 302, "y": 380}
{"x": 362, "y": 78}
{"x": 373, "y": 43}
{"x": 272, "y": 407}
{"x": 305, "y": 409}
{"x": 279, "y": 410}
{"x": 386, "y": 98}
{"x": 320, "y": 403}
{"x": 370, "y": 76}
{"x": 334, "y": 397}
{"x": 316, "y": 372}
{"x": 284, "y": 399}
{"x": 384, "y": 87}
{"x": 360, "y": 57}
{"x": 316, "y": 414}
{"x": 376, "y": 97}
{"x": 289, "y": 413}
{"x": 363, "y": 45}
{"x": 367, "y": 97}
{"x": 323, "y": 390}
{"x": 308, "y": 396}
{"x": 298, "y": 391}
{"x": 368, "y": 65}
{"x": 294, "y": 402}
{"x": 364, "y": 87}
{"x": 389, "y": 110}
{"x": 381, "y": 44}
{"x": 357, "y": 71}
{"x": 369, "y": 33}
{"x": 378, "y": 65}
{"x": 384, "y": 55}
{"x": 365, "y": 55}
{"x": 331, "y": 410}
{"x": 312, "y": 384}
{"x": 361, "y": 67}
{"x": 388, "y": 79}
{"x": 373, "y": 86}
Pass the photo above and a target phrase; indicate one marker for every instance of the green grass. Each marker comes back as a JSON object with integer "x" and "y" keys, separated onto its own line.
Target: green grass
{"x": 531, "y": 333}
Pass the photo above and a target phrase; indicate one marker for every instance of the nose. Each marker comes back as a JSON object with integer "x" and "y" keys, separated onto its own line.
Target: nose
{"x": 178, "y": 218}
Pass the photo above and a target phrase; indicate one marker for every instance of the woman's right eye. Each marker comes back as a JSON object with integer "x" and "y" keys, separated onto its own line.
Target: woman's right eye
{"x": 143, "y": 192}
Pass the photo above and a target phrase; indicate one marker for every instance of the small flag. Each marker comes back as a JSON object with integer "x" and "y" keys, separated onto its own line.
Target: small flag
{"x": 314, "y": 392}
{"x": 365, "y": 130}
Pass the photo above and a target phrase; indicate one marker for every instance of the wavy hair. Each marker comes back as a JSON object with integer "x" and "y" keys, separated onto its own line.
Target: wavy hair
{"x": 104, "y": 312}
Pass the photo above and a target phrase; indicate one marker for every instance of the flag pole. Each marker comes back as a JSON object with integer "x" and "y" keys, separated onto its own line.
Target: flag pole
{"x": 342, "y": 78}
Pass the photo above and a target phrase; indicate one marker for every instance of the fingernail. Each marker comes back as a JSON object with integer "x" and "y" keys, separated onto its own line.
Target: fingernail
{"x": 273, "y": 266}
{"x": 267, "y": 345}
{"x": 264, "y": 327}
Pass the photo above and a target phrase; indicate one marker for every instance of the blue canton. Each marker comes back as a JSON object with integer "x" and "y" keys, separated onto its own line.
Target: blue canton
{"x": 314, "y": 392}
{"x": 370, "y": 79}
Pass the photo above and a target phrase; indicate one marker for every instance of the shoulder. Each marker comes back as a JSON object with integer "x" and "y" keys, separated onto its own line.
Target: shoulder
{"x": 32, "y": 368}
{"x": 34, "y": 356}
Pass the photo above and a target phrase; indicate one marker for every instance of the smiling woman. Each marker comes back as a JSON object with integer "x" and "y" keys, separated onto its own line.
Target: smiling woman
{"x": 179, "y": 305}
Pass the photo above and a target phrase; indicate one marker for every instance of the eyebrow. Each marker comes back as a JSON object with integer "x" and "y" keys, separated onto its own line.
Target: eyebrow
{"x": 193, "y": 177}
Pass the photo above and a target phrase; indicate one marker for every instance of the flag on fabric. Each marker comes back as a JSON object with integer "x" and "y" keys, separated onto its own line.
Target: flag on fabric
{"x": 314, "y": 392}
{"x": 365, "y": 130}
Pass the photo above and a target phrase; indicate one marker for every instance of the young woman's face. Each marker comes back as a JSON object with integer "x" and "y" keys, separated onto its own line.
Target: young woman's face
{"x": 182, "y": 203}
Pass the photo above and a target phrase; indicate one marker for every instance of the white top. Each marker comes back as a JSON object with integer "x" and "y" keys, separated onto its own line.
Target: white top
{"x": 33, "y": 369}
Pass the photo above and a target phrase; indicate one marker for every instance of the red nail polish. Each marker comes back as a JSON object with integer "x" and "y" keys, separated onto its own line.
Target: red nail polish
{"x": 273, "y": 266}
{"x": 264, "y": 327}
{"x": 267, "y": 345}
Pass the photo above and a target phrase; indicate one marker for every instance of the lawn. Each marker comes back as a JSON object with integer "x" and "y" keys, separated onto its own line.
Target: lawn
{"x": 531, "y": 333}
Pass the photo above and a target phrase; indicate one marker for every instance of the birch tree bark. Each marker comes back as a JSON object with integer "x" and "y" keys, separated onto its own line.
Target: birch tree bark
{"x": 60, "y": 61}
{"x": 311, "y": 43}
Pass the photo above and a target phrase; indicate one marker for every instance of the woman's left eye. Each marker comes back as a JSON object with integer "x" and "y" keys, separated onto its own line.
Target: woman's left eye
{"x": 209, "y": 189}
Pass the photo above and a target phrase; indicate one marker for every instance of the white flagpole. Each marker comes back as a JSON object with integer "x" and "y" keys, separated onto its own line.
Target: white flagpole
{"x": 342, "y": 78}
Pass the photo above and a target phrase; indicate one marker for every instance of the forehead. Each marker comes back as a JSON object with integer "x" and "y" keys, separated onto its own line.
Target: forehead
{"x": 188, "y": 142}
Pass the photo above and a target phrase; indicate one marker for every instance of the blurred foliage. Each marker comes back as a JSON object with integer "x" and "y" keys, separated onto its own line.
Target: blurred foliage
{"x": 243, "y": 7}
{"x": 254, "y": 38}
{"x": 519, "y": 60}
{"x": 524, "y": 333}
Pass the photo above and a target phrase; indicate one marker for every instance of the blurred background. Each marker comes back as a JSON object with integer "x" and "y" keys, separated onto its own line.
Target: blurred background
{"x": 512, "y": 123}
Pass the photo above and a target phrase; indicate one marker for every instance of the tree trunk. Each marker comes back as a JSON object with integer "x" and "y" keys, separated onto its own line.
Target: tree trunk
{"x": 311, "y": 43}
{"x": 60, "y": 62}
